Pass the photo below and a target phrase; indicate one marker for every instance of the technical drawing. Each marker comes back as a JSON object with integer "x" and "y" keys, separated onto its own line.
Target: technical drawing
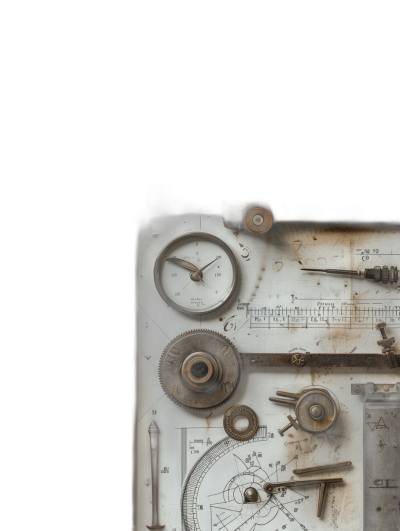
{"x": 214, "y": 493}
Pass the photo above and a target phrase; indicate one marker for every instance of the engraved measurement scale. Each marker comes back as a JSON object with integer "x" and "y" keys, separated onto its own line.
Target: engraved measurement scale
{"x": 324, "y": 316}
{"x": 367, "y": 254}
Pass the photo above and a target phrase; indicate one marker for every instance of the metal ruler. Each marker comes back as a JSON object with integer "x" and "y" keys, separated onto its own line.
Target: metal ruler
{"x": 324, "y": 316}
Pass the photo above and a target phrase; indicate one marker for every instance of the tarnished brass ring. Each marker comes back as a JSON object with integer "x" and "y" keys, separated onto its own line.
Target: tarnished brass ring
{"x": 246, "y": 433}
{"x": 200, "y": 371}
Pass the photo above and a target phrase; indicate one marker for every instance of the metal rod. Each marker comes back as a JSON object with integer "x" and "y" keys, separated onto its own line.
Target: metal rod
{"x": 286, "y": 428}
{"x": 317, "y": 360}
{"x": 283, "y": 401}
{"x": 382, "y": 274}
{"x": 335, "y": 271}
{"x": 321, "y": 499}
{"x": 321, "y": 467}
{"x": 295, "y": 396}
{"x": 268, "y": 487}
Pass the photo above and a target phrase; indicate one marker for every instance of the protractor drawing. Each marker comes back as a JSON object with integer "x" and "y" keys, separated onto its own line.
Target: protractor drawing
{"x": 224, "y": 490}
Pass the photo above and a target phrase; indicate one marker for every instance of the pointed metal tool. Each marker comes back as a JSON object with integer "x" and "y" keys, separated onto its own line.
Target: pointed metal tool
{"x": 383, "y": 274}
{"x": 154, "y": 435}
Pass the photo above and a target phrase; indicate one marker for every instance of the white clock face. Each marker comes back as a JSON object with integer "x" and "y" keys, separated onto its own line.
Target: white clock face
{"x": 196, "y": 273}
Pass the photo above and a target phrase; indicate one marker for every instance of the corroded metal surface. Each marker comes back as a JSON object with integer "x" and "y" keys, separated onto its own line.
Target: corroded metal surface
{"x": 229, "y": 423}
{"x": 319, "y": 468}
{"x": 257, "y": 220}
{"x": 387, "y": 346}
{"x": 316, "y": 411}
{"x": 317, "y": 360}
{"x": 200, "y": 370}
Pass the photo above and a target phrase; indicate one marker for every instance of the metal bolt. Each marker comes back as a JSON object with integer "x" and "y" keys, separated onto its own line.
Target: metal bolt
{"x": 282, "y": 431}
{"x": 317, "y": 412}
{"x": 357, "y": 389}
{"x": 381, "y": 327}
{"x": 251, "y": 495}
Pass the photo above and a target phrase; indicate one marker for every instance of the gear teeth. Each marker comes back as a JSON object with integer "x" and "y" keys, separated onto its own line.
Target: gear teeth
{"x": 185, "y": 334}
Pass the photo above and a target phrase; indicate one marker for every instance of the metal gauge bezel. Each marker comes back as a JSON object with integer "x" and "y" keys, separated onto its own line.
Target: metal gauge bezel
{"x": 193, "y": 236}
{"x": 306, "y": 392}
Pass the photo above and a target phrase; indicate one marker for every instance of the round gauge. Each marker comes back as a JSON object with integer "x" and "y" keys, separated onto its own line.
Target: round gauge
{"x": 196, "y": 273}
{"x": 317, "y": 409}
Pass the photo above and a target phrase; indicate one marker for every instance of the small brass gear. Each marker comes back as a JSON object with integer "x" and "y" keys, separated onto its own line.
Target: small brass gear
{"x": 200, "y": 370}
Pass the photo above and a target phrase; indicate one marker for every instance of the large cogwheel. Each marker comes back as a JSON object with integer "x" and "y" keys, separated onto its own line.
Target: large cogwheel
{"x": 200, "y": 370}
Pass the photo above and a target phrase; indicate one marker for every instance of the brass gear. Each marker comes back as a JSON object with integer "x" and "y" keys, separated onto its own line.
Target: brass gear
{"x": 200, "y": 370}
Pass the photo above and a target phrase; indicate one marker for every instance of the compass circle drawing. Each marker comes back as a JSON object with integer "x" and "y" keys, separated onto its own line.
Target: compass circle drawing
{"x": 224, "y": 489}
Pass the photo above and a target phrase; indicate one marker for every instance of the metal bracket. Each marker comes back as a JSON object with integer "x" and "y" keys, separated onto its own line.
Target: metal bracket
{"x": 381, "y": 454}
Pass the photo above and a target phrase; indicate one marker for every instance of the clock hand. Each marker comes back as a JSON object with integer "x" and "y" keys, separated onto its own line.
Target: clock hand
{"x": 203, "y": 268}
{"x": 195, "y": 274}
{"x": 199, "y": 273}
{"x": 183, "y": 263}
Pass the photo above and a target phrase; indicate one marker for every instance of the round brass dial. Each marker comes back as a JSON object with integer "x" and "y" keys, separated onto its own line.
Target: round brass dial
{"x": 257, "y": 220}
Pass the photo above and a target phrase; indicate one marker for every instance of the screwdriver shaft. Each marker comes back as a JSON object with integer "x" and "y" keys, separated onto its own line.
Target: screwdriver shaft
{"x": 335, "y": 271}
{"x": 382, "y": 274}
